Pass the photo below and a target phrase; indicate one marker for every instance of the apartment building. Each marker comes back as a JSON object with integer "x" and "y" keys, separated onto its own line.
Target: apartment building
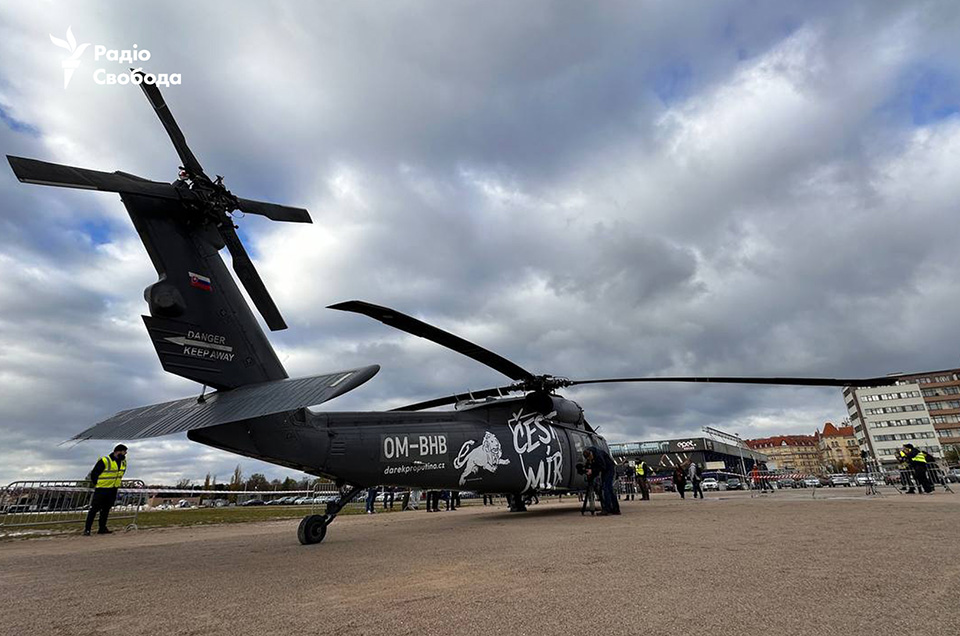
{"x": 887, "y": 417}
{"x": 790, "y": 452}
{"x": 941, "y": 393}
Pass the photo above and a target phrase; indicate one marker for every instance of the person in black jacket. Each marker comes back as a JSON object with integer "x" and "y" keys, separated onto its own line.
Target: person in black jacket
{"x": 453, "y": 499}
{"x": 433, "y": 501}
{"x": 680, "y": 480}
{"x": 919, "y": 461}
{"x": 388, "y": 497}
{"x": 600, "y": 461}
{"x": 106, "y": 478}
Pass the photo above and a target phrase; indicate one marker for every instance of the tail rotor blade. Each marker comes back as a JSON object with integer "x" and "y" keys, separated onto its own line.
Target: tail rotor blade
{"x": 170, "y": 124}
{"x": 274, "y": 211}
{"x": 251, "y": 280}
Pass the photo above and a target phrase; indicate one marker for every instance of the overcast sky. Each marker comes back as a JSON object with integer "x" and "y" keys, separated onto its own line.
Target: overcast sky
{"x": 589, "y": 189}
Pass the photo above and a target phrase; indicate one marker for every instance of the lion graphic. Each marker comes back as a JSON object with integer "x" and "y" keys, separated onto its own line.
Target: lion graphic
{"x": 487, "y": 456}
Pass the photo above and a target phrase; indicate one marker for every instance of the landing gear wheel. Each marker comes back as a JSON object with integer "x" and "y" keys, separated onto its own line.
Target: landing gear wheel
{"x": 313, "y": 528}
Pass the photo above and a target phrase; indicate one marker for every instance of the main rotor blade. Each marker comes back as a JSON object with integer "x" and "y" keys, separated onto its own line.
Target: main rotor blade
{"x": 170, "y": 124}
{"x": 477, "y": 395}
{"x": 274, "y": 211}
{"x": 453, "y": 399}
{"x": 251, "y": 280}
{"x": 443, "y": 338}
{"x": 882, "y": 381}
{"x": 55, "y": 174}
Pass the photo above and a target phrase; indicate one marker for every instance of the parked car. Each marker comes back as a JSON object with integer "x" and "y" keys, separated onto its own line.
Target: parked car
{"x": 863, "y": 479}
{"x": 838, "y": 480}
{"x": 785, "y": 483}
{"x": 811, "y": 482}
{"x": 710, "y": 483}
{"x": 735, "y": 483}
{"x": 18, "y": 508}
{"x": 253, "y": 502}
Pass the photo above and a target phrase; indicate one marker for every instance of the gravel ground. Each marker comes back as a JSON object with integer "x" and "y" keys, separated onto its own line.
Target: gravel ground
{"x": 778, "y": 565}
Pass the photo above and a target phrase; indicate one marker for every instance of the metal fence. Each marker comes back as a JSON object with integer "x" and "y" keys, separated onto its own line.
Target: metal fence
{"x": 50, "y": 503}
{"x": 905, "y": 481}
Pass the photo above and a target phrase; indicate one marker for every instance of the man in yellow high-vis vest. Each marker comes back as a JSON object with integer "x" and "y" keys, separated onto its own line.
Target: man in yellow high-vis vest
{"x": 106, "y": 476}
{"x": 918, "y": 462}
{"x": 643, "y": 471}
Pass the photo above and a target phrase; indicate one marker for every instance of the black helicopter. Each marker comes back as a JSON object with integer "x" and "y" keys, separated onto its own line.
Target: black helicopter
{"x": 515, "y": 439}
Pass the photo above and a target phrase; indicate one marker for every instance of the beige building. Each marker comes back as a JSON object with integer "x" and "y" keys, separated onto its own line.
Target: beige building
{"x": 839, "y": 450}
{"x": 799, "y": 453}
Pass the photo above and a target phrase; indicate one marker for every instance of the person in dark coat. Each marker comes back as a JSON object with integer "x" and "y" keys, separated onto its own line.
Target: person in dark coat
{"x": 388, "y": 497}
{"x": 680, "y": 480}
{"x": 600, "y": 461}
{"x": 371, "y": 500}
{"x": 453, "y": 499}
{"x": 919, "y": 461}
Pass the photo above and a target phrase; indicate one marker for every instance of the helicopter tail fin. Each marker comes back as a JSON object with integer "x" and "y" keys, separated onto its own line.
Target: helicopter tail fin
{"x": 199, "y": 322}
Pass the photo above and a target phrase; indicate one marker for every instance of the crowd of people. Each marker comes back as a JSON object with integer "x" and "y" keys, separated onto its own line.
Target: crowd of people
{"x": 410, "y": 499}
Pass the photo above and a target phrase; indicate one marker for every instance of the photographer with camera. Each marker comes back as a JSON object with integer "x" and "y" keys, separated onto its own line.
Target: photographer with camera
{"x": 599, "y": 462}
{"x": 918, "y": 462}
{"x": 592, "y": 492}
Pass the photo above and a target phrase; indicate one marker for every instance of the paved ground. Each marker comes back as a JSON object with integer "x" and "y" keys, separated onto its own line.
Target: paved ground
{"x": 783, "y": 565}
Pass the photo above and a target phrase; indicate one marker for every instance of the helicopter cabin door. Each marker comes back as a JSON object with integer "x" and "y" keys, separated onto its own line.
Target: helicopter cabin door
{"x": 578, "y": 442}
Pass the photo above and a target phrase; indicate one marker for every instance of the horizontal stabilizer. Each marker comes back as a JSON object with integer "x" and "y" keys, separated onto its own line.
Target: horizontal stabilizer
{"x": 222, "y": 407}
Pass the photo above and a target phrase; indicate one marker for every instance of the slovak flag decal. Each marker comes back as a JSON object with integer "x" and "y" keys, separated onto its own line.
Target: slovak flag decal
{"x": 200, "y": 282}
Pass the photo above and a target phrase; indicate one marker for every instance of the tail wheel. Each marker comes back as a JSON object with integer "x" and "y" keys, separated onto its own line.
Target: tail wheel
{"x": 313, "y": 528}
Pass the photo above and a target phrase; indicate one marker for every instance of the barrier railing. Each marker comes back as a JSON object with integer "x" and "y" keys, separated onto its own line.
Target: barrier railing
{"x": 50, "y": 503}
{"x": 906, "y": 482}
